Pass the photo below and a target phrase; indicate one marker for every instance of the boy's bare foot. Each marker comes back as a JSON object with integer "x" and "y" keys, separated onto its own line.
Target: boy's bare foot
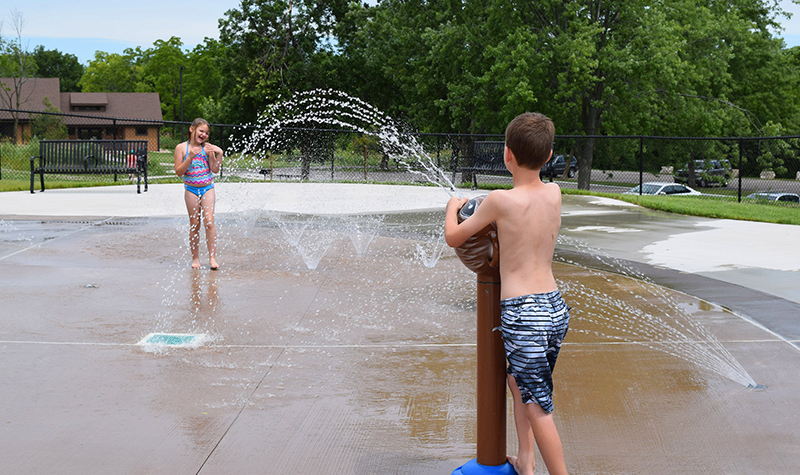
{"x": 513, "y": 461}
{"x": 196, "y": 263}
{"x": 214, "y": 265}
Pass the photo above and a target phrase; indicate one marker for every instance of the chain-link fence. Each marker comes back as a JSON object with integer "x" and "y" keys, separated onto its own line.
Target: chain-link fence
{"x": 733, "y": 168}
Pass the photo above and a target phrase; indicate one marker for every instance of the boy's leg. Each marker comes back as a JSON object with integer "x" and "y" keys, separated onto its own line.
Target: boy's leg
{"x": 547, "y": 439}
{"x": 208, "y": 201}
{"x": 525, "y": 460}
{"x": 193, "y": 207}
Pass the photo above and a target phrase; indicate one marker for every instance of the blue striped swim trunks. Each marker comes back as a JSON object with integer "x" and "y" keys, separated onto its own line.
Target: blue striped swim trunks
{"x": 533, "y": 328}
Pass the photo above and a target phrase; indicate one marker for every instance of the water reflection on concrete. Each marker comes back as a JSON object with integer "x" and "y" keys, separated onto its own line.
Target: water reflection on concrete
{"x": 364, "y": 365}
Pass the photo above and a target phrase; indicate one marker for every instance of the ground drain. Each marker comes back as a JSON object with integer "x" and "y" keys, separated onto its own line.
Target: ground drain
{"x": 174, "y": 340}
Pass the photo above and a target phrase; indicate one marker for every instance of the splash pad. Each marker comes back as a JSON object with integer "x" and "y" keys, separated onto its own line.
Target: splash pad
{"x": 368, "y": 358}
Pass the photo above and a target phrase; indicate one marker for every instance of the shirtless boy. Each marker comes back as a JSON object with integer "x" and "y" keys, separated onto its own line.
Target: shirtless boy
{"x": 534, "y": 316}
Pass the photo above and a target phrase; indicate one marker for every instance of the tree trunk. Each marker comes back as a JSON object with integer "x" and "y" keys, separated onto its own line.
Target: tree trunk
{"x": 690, "y": 171}
{"x": 591, "y": 119}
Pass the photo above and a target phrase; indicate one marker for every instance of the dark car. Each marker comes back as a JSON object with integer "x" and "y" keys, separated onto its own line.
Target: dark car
{"x": 555, "y": 167}
{"x": 706, "y": 172}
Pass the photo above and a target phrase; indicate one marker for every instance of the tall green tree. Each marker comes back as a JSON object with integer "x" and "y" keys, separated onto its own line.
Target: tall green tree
{"x": 207, "y": 91}
{"x": 112, "y": 72}
{"x": 595, "y": 66}
{"x": 55, "y": 64}
{"x": 161, "y": 72}
{"x": 274, "y": 45}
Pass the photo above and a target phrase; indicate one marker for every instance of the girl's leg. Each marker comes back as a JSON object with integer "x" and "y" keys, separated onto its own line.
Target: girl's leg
{"x": 208, "y": 202}
{"x": 193, "y": 207}
{"x": 525, "y": 460}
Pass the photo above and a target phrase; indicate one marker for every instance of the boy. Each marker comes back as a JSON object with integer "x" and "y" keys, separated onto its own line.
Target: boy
{"x": 534, "y": 316}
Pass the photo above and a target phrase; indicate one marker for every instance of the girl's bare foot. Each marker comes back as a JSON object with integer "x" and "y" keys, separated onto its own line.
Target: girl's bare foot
{"x": 513, "y": 461}
{"x": 196, "y": 263}
{"x": 213, "y": 262}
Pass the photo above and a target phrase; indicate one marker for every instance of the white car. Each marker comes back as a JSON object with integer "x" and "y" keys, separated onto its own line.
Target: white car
{"x": 788, "y": 197}
{"x": 664, "y": 189}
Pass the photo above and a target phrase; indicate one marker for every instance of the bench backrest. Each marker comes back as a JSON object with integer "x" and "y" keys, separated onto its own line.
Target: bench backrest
{"x": 489, "y": 155}
{"x": 91, "y": 154}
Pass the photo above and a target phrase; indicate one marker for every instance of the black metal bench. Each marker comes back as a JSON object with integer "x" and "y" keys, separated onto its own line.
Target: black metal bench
{"x": 91, "y": 157}
{"x": 487, "y": 159}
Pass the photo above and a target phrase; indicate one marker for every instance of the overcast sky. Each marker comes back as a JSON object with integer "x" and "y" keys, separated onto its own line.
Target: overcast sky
{"x": 81, "y": 27}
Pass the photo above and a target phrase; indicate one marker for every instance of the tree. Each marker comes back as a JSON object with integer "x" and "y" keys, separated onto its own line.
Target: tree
{"x": 207, "y": 91}
{"x": 112, "y": 72}
{"x": 273, "y": 45}
{"x": 160, "y": 72}
{"x": 595, "y": 66}
{"x": 47, "y": 126}
{"x": 18, "y": 66}
{"x": 55, "y": 64}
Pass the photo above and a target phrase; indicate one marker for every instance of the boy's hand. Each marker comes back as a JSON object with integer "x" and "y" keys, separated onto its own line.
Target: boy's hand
{"x": 455, "y": 203}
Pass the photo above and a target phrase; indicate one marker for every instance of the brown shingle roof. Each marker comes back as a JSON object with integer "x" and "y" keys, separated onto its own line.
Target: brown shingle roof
{"x": 34, "y": 91}
{"x": 118, "y": 105}
{"x": 88, "y": 98}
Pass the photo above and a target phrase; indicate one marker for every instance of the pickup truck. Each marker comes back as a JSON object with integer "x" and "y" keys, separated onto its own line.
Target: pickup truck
{"x": 706, "y": 172}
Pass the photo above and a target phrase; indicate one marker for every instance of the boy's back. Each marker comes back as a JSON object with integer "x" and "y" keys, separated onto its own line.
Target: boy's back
{"x": 528, "y": 221}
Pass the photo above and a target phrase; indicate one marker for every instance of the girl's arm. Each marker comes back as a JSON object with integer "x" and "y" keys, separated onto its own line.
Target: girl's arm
{"x": 214, "y": 157}
{"x": 181, "y": 165}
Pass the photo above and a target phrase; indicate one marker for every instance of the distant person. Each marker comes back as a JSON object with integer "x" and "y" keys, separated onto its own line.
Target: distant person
{"x": 534, "y": 316}
{"x": 196, "y": 161}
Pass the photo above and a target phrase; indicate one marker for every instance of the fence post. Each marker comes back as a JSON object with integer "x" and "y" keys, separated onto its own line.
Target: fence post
{"x": 366, "y": 157}
{"x": 333, "y": 153}
{"x": 438, "y": 149}
{"x": 740, "y": 172}
{"x": 641, "y": 164}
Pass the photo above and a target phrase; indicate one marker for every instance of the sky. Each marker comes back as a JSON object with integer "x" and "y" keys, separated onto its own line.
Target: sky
{"x": 81, "y": 27}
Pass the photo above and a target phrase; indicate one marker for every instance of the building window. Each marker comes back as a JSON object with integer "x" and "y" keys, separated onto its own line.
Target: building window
{"x": 141, "y": 130}
{"x": 88, "y": 108}
{"x": 86, "y": 133}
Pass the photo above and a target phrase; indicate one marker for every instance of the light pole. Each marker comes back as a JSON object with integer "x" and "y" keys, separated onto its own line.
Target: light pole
{"x": 182, "y": 68}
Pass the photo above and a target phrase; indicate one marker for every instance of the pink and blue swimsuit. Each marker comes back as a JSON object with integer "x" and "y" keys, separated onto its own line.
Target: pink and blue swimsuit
{"x": 198, "y": 178}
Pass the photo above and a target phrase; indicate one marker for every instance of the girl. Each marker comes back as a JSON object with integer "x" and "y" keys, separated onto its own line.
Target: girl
{"x": 196, "y": 161}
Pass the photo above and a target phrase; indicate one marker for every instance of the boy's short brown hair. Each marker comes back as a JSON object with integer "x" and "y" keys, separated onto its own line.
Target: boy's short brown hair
{"x": 530, "y": 137}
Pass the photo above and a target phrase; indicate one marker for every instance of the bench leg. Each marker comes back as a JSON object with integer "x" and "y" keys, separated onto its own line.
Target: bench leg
{"x": 41, "y": 179}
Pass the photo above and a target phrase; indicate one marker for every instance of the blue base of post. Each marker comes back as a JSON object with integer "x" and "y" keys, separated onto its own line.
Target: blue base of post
{"x": 474, "y": 468}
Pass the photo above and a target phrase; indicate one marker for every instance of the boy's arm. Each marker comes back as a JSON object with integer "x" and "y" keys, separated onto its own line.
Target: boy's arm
{"x": 456, "y": 234}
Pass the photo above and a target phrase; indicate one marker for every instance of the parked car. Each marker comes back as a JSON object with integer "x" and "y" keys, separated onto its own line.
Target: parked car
{"x": 787, "y": 197}
{"x": 555, "y": 167}
{"x": 706, "y": 172}
{"x": 663, "y": 189}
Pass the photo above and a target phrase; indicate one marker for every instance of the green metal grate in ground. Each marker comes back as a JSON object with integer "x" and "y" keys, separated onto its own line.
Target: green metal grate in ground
{"x": 182, "y": 340}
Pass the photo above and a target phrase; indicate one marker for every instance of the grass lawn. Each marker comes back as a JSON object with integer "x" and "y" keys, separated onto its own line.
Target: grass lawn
{"x": 772, "y": 212}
